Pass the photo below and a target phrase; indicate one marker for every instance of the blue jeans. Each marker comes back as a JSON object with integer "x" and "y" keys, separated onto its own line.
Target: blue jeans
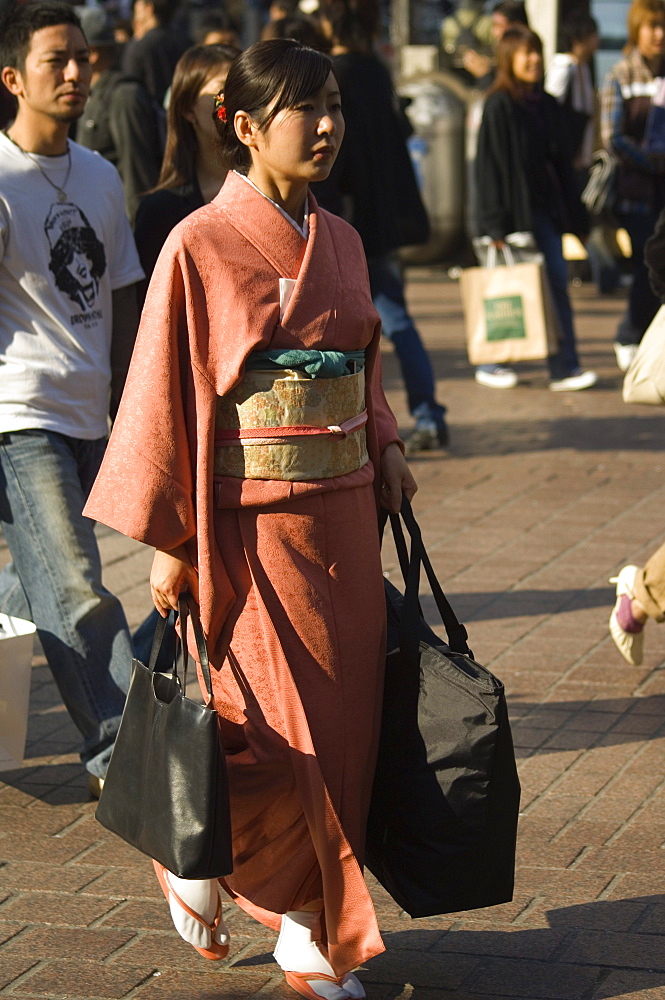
{"x": 642, "y": 303}
{"x": 55, "y": 580}
{"x": 548, "y": 240}
{"x": 387, "y": 287}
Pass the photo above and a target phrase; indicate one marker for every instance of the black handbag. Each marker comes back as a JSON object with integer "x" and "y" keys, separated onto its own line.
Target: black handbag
{"x": 166, "y": 790}
{"x": 443, "y": 816}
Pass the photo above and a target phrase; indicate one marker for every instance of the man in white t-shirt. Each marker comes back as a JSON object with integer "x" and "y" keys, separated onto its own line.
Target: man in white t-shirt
{"x": 68, "y": 316}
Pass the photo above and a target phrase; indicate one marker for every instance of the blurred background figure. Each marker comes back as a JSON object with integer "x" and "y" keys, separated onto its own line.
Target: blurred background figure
{"x": 569, "y": 78}
{"x": 507, "y": 14}
{"x": 304, "y": 29}
{"x": 121, "y": 120}
{"x": 215, "y": 27}
{"x": 151, "y": 56}
{"x": 627, "y": 99}
{"x": 278, "y": 11}
{"x": 373, "y": 186}
{"x": 468, "y": 30}
{"x": 526, "y": 191}
{"x": 192, "y": 170}
{"x": 478, "y": 59}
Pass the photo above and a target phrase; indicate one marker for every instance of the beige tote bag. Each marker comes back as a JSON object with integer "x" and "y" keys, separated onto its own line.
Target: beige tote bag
{"x": 644, "y": 381}
{"x": 17, "y": 638}
{"x": 508, "y": 312}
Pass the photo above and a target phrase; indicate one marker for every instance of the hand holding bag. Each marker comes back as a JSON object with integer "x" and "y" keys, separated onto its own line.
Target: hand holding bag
{"x": 644, "y": 382}
{"x": 443, "y": 817}
{"x": 508, "y": 314}
{"x": 166, "y": 790}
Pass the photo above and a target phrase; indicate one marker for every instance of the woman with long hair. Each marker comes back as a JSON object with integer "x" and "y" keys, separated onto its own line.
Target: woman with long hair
{"x": 525, "y": 185}
{"x": 259, "y": 315}
{"x": 192, "y": 169}
{"x": 625, "y": 113}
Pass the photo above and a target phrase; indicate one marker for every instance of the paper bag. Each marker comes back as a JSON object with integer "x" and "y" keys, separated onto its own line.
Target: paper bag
{"x": 644, "y": 381}
{"x": 508, "y": 314}
{"x": 16, "y": 643}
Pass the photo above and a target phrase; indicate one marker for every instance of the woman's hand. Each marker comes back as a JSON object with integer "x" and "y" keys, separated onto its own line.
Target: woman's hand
{"x": 397, "y": 478}
{"x": 172, "y": 573}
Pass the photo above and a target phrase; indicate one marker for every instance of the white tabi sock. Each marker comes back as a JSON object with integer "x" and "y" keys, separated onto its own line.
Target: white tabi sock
{"x": 352, "y": 985}
{"x": 299, "y": 949}
{"x": 201, "y": 896}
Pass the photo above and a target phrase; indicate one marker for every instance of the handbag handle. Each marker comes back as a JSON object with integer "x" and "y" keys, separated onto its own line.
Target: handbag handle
{"x": 456, "y": 632}
{"x": 187, "y": 607}
{"x": 493, "y": 253}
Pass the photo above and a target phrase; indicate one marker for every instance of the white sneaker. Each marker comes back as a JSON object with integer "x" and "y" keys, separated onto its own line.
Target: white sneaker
{"x": 580, "y": 380}
{"x": 624, "y": 355}
{"x": 498, "y": 378}
{"x": 629, "y": 644}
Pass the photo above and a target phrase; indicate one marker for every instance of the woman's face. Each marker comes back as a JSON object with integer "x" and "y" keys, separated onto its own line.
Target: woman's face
{"x": 651, "y": 38}
{"x": 527, "y": 65}
{"x": 201, "y": 114}
{"x": 301, "y": 143}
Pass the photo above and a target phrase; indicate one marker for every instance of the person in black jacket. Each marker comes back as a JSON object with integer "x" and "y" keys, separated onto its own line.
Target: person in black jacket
{"x": 152, "y": 54}
{"x": 121, "y": 121}
{"x": 525, "y": 185}
{"x": 373, "y": 186}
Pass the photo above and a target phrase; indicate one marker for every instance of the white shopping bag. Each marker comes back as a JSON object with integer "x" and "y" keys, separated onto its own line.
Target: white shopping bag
{"x": 644, "y": 381}
{"x": 508, "y": 311}
{"x": 16, "y": 644}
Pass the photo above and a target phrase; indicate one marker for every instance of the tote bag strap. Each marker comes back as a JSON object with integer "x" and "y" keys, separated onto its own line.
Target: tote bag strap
{"x": 493, "y": 254}
{"x": 456, "y": 632}
{"x": 186, "y": 608}
{"x": 398, "y": 538}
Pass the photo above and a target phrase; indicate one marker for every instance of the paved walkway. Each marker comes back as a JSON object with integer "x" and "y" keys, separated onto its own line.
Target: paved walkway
{"x": 541, "y": 497}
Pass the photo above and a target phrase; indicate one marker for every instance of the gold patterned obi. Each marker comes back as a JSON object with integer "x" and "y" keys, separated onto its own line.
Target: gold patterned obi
{"x": 280, "y": 425}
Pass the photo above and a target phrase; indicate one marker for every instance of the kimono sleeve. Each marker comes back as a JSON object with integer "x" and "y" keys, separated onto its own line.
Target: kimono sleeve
{"x": 384, "y": 418}
{"x": 145, "y": 487}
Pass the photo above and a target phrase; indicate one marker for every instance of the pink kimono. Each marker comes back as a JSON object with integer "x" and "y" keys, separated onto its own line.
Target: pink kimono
{"x": 290, "y": 573}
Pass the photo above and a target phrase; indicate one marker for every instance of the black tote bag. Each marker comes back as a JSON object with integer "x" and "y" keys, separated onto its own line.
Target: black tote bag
{"x": 166, "y": 790}
{"x": 443, "y": 817}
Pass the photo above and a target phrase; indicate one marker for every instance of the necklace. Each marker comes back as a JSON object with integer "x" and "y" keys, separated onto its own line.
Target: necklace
{"x": 62, "y": 194}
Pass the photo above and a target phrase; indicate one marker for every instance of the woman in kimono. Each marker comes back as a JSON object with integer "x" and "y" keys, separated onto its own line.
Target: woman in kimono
{"x": 251, "y": 296}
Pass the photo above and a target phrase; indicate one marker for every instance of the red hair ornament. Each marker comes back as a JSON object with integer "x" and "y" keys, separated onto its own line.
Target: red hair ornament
{"x": 220, "y": 110}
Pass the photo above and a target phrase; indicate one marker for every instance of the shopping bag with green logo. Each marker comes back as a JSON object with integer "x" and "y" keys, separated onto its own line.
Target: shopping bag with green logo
{"x": 508, "y": 313}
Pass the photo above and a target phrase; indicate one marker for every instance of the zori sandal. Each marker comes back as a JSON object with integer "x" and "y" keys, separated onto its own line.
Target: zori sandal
{"x": 216, "y": 950}
{"x": 299, "y": 982}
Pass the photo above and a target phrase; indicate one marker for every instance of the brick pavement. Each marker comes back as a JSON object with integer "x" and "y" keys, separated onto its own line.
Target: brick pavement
{"x": 541, "y": 497}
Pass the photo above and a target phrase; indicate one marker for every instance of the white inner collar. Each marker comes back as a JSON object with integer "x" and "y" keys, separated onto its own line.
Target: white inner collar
{"x": 303, "y": 230}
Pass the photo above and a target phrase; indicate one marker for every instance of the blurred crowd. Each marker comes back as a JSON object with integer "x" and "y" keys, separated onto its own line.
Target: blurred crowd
{"x": 588, "y": 162}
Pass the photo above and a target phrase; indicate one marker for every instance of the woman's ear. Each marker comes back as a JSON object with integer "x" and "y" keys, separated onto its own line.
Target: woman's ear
{"x": 246, "y": 129}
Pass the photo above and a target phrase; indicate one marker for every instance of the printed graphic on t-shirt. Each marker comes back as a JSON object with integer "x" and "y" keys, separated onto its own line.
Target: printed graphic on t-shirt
{"x": 78, "y": 260}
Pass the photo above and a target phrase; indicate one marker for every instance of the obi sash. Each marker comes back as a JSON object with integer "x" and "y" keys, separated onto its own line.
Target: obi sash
{"x": 282, "y": 426}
